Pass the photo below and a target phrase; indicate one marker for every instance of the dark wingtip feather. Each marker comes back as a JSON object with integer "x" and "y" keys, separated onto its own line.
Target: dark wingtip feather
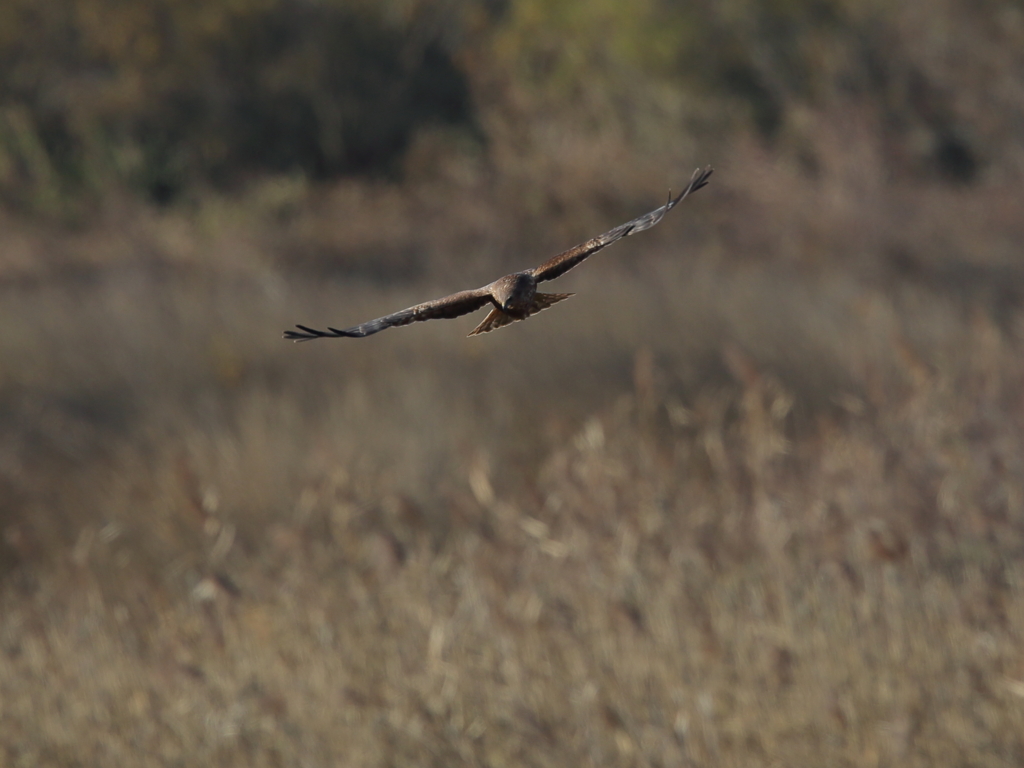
{"x": 698, "y": 180}
{"x": 299, "y": 335}
{"x": 305, "y": 333}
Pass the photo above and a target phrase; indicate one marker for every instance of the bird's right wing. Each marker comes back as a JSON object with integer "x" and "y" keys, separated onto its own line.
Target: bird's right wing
{"x": 456, "y": 305}
{"x": 563, "y": 262}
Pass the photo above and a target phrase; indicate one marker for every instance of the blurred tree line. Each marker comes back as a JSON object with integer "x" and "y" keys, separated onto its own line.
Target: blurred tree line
{"x": 161, "y": 95}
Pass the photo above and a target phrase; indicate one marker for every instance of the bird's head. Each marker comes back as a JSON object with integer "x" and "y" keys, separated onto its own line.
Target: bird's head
{"x": 502, "y": 292}
{"x": 513, "y": 290}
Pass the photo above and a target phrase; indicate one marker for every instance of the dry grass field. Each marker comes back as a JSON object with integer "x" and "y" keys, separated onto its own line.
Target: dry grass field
{"x": 731, "y": 505}
{"x": 753, "y": 497}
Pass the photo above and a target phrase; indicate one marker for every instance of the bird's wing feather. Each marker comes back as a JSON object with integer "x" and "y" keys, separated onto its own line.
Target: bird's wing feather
{"x": 563, "y": 262}
{"x": 456, "y": 305}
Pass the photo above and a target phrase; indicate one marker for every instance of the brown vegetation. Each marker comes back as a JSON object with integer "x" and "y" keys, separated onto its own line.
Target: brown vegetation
{"x": 755, "y": 496}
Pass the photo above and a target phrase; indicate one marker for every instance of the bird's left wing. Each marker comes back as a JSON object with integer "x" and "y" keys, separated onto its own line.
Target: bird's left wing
{"x": 456, "y": 305}
{"x": 563, "y": 262}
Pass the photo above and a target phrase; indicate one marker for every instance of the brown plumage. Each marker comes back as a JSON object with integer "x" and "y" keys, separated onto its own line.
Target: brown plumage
{"x": 512, "y": 297}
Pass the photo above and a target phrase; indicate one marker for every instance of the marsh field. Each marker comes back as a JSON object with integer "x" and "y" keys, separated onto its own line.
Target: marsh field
{"x": 753, "y": 497}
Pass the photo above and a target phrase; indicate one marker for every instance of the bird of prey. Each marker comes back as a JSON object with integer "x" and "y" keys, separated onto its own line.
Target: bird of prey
{"x": 512, "y": 297}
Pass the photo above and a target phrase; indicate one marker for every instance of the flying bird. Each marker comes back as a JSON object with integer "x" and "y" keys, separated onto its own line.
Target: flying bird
{"x": 512, "y": 297}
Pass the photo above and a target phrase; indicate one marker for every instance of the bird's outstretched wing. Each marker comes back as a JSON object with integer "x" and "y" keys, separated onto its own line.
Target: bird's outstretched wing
{"x": 563, "y": 262}
{"x": 456, "y": 305}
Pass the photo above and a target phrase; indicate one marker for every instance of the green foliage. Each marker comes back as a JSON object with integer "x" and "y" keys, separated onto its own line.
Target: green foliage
{"x": 740, "y": 46}
{"x": 758, "y": 65}
{"x": 166, "y": 93}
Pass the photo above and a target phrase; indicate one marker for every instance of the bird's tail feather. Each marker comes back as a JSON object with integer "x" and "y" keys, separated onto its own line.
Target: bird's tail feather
{"x": 496, "y": 318}
{"x": 545, "y": 300}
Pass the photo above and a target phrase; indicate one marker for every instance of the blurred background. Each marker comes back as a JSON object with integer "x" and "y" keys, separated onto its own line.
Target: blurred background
{"x": 754, "y": 497}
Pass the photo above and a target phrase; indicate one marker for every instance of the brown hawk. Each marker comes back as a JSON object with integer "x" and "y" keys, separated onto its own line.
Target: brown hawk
{"x": 512, "y": 297}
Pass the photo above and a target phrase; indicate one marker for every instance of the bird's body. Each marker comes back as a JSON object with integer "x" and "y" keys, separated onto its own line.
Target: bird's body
{"x": 513, "y": 294}
{"x": 513, "y": 297}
